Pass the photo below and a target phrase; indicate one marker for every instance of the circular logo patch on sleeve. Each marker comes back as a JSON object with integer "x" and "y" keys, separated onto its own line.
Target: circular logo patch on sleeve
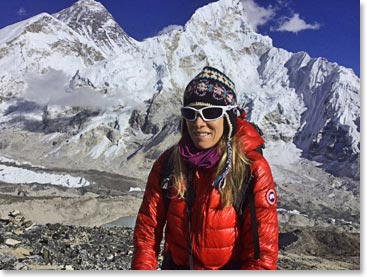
{"x": 270, "y": 197}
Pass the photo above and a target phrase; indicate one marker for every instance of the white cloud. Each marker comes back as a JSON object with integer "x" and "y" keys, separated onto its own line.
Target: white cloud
{"x": 50, "y": 89}
{"x": 169, "y": 29}
{"x": 22, "y": 11}
{"x": 296, "y": 24}
{"x": 256, "y": 15}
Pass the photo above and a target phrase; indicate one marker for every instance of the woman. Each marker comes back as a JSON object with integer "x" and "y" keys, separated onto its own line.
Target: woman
{"x": 216, "y": 153}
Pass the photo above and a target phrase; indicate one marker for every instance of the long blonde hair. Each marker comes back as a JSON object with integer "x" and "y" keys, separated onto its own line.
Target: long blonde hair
{"x": 238, "y": 172}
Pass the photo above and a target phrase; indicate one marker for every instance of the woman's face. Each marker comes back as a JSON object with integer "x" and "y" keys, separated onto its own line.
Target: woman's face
{"x": 204, "y": 134}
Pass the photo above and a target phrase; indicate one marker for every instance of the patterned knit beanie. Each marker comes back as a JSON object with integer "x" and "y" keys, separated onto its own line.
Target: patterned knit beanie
{"x": 212, "y": 87}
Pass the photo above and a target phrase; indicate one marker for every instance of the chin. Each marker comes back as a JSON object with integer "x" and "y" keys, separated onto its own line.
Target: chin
{"x": 203, "y": 146}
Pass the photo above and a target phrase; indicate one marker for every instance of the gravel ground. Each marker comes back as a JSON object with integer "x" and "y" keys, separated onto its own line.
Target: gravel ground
{"x": 28, "y": 246}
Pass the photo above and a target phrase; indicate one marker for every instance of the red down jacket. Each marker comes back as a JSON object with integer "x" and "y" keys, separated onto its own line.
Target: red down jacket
{"x": 214, "y": 230}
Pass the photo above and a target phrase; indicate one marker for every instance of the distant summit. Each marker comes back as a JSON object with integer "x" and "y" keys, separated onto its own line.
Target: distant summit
{"x": 90, "y": 19}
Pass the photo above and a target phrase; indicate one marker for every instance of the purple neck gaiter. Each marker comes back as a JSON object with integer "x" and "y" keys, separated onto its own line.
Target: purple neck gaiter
{"x": 206, "y": 158}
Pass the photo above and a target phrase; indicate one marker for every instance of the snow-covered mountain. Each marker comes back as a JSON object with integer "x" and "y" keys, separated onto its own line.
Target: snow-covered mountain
{"x": 91, "y": 20}
{"x": 77, "y": 92}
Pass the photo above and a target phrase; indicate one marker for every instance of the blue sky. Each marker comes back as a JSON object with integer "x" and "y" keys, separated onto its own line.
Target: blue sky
{"x": 322, "y": 28}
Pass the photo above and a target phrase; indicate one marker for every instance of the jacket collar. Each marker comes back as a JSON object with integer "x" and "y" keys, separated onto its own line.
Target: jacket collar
{"x": 251, "y": 139}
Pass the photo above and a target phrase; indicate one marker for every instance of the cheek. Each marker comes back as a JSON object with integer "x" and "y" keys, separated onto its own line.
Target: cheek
{"x": 219, "y": 128}
{"x": 187, "y": 126}
{"x": 219, "y": 132}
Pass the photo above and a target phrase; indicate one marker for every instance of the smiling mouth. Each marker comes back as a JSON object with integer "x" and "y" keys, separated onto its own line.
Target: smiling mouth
{"x": 201, "y": 134}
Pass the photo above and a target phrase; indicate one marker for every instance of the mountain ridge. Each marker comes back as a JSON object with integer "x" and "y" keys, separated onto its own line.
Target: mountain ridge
{"x": 140, "y": 84}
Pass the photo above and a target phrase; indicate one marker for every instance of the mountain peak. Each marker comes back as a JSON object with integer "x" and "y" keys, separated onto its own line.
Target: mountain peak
{"x": 90, "y": 4}
{"x": 226, "y": 18}
{"x": 92, "y": 20}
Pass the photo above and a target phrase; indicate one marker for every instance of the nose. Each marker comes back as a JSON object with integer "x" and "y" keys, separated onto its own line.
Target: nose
{"x": 199, "y": 122}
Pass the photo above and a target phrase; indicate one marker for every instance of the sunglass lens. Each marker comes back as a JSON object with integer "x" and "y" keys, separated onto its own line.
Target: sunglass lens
{"x": 212, "y": 113}
{"x": 188, "y": 114}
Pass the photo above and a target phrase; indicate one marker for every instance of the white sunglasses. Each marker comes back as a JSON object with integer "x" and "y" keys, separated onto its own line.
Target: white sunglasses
{"x": 207, "y": 113}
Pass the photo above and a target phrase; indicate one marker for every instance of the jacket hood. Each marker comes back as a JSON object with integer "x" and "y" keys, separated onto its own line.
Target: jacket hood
{"x": 250, "y": 137}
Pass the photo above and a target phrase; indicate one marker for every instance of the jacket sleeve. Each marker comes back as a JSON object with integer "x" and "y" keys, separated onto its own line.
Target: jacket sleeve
{"x": 149, "y": 223}
{"x": 267, "y": 218}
